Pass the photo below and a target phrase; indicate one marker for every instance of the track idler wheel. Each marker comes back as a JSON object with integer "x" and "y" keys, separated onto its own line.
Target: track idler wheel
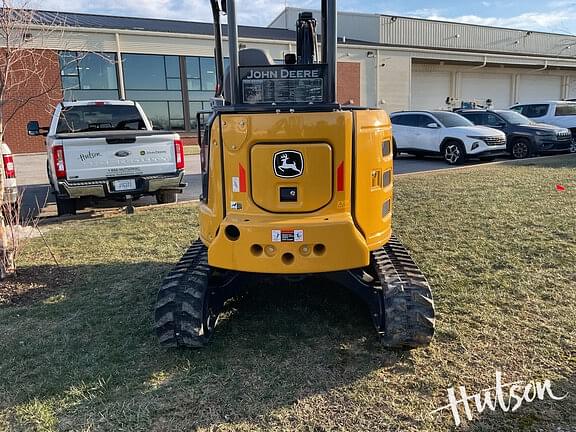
{"x": 186, "y": 309}
{"x": 407, "y": 315}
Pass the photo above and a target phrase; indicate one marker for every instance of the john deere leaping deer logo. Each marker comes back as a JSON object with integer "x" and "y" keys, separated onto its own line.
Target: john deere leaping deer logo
{"x": 288, "y": 164}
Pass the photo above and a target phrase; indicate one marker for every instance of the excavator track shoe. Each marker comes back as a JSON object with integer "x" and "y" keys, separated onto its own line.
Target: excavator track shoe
{"x": 184, "y": 315}
{"x": 408, "y": 316}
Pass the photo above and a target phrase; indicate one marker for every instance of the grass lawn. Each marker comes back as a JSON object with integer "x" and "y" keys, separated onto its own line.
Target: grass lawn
{"x": 498, "y": 245}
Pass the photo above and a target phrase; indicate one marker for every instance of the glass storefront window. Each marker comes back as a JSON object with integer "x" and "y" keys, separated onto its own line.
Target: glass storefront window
{"x": 194, "y": 108}
{"x": 97, "y": 71}
{"x": 154, "y": 81}
{"x": 208, "y": 73}
{"x": 68, "y": 63}
{"x": 158, "y": 82}
{"x": 88, "y": 75}
{"x": 157, "y": 113}
{"x": 144, "y": 72}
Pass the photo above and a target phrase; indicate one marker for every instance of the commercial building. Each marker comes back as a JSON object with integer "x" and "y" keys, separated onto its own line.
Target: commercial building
{"x": 386, "y": 61}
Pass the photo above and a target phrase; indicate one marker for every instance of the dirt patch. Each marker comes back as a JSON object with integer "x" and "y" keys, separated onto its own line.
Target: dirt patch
{"x": 32, "y": 284}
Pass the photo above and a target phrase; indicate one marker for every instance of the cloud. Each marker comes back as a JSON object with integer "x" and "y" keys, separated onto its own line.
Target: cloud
{"x": 557, "y": 17}
{"x": 552, "y": 21}
{"x": 250, "y": 12}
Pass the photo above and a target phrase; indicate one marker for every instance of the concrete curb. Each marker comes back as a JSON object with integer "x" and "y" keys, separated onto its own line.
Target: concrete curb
{"x": 483, "y": 165}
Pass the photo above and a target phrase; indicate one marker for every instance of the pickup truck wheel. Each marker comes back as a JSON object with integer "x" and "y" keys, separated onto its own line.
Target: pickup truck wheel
{"x": 166, "y": 197}
{"x": 394, "y": 149}
{"x": 454, "y": 153}
{"x": 66, "y": 206}
{"x": 521, "y": 149}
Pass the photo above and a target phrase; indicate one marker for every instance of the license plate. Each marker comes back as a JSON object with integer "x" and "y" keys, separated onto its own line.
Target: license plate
{"x": 124, "y": 185}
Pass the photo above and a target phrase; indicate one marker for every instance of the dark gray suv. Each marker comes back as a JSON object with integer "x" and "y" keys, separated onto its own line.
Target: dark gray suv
{"x": 525, "y": 138}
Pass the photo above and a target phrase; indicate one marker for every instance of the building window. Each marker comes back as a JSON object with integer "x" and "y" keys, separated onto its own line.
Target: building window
{"x": 88, "y": 75}
{"x": 201, "y": 83}
{"x": 171, "y": 89}
{"x": 155, "y": 82}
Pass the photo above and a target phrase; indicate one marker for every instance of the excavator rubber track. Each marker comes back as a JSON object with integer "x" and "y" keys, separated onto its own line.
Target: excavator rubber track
{"x": 399, "y": 297}
{"x": 181, "y": 313}
{"x": 406, "y": 315}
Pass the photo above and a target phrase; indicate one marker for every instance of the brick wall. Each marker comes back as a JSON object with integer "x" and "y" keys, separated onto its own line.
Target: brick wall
{"x": 348, "y": 83}
{"x": 37, "y": 108}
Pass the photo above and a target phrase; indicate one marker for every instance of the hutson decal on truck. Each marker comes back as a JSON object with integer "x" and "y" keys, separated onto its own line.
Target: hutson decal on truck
{"x": 89, "y": 155}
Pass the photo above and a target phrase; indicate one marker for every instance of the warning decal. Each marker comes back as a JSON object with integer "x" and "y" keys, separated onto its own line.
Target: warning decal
{"x": 288, "y": 235}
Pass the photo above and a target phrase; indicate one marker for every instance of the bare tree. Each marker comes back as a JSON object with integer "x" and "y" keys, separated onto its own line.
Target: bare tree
{"x": 26, "y": 77}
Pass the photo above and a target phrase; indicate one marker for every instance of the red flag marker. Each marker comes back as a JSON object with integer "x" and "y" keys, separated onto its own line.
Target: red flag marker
{"x": 560, "y": 188}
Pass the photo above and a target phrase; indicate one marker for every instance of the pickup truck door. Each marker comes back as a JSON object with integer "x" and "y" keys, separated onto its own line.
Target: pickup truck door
{"x": 535, "y": 112}
{"x": 101, "y": 155}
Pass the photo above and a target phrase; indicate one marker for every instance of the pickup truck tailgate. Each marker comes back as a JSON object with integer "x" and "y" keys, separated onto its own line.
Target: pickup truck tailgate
{"x": 92, "y": 156}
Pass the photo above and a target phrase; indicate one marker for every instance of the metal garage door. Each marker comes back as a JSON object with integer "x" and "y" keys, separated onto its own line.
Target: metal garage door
{"x": 479, "y": 87}
{"x": 429, "y": 90}
{"x": 534, "y": 88}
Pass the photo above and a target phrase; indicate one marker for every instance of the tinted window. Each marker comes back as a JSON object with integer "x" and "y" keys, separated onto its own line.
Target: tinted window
{"x": 155, "y": 82}
{"x": 449, "y": 119}
{"x": 88, "y": 75}
{"x": 151, "y": 72}
{"x": 208, "y": 73}
{"x": 566, "y": 110}
{"x": 475, "y": 118}
{"x": 201, "y": 81}
{"x": 99, "y": 117}
{"x": 492, "y": 120}
{"x": 538, "y": 110}
{"x": 406, "y": 120}
{"x": 514, "y": 117}
{"x": 425, "y": 120}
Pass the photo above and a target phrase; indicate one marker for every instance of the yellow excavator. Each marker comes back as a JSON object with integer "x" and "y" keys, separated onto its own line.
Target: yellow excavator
{"x": 294, "y": 184}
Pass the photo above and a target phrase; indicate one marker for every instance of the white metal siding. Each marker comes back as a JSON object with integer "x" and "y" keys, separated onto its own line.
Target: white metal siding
{"x": 430, "y": 90}
{"x": 482, "y": 86}
{"x": 437, "y": 34}
{"x": 533, "y": 88}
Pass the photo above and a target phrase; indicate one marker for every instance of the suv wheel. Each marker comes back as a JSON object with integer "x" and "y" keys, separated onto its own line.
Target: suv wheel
{"x": 454, "y": 153}
{"x": 521, "y": 149}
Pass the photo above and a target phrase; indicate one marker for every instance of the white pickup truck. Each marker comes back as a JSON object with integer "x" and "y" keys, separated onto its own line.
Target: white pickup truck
{"x": 557, "y": 113}
{"x": 108, "y": 149}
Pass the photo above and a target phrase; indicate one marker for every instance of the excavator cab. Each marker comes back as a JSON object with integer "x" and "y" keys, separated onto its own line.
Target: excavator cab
{"x": 294, "y": 184}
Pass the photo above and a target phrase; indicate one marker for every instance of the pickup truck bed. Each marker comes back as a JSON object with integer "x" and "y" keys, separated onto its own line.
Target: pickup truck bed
{"x": 109, "y": 149}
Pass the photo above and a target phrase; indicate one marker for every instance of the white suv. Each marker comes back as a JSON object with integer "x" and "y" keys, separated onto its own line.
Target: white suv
{"x": 447, "y": 134}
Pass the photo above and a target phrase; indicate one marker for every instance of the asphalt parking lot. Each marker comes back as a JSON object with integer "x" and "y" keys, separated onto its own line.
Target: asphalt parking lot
{"x": 33, "y": 181}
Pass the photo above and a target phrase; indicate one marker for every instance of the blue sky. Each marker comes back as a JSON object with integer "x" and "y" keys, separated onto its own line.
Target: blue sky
{"x": 546, "y": 15}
